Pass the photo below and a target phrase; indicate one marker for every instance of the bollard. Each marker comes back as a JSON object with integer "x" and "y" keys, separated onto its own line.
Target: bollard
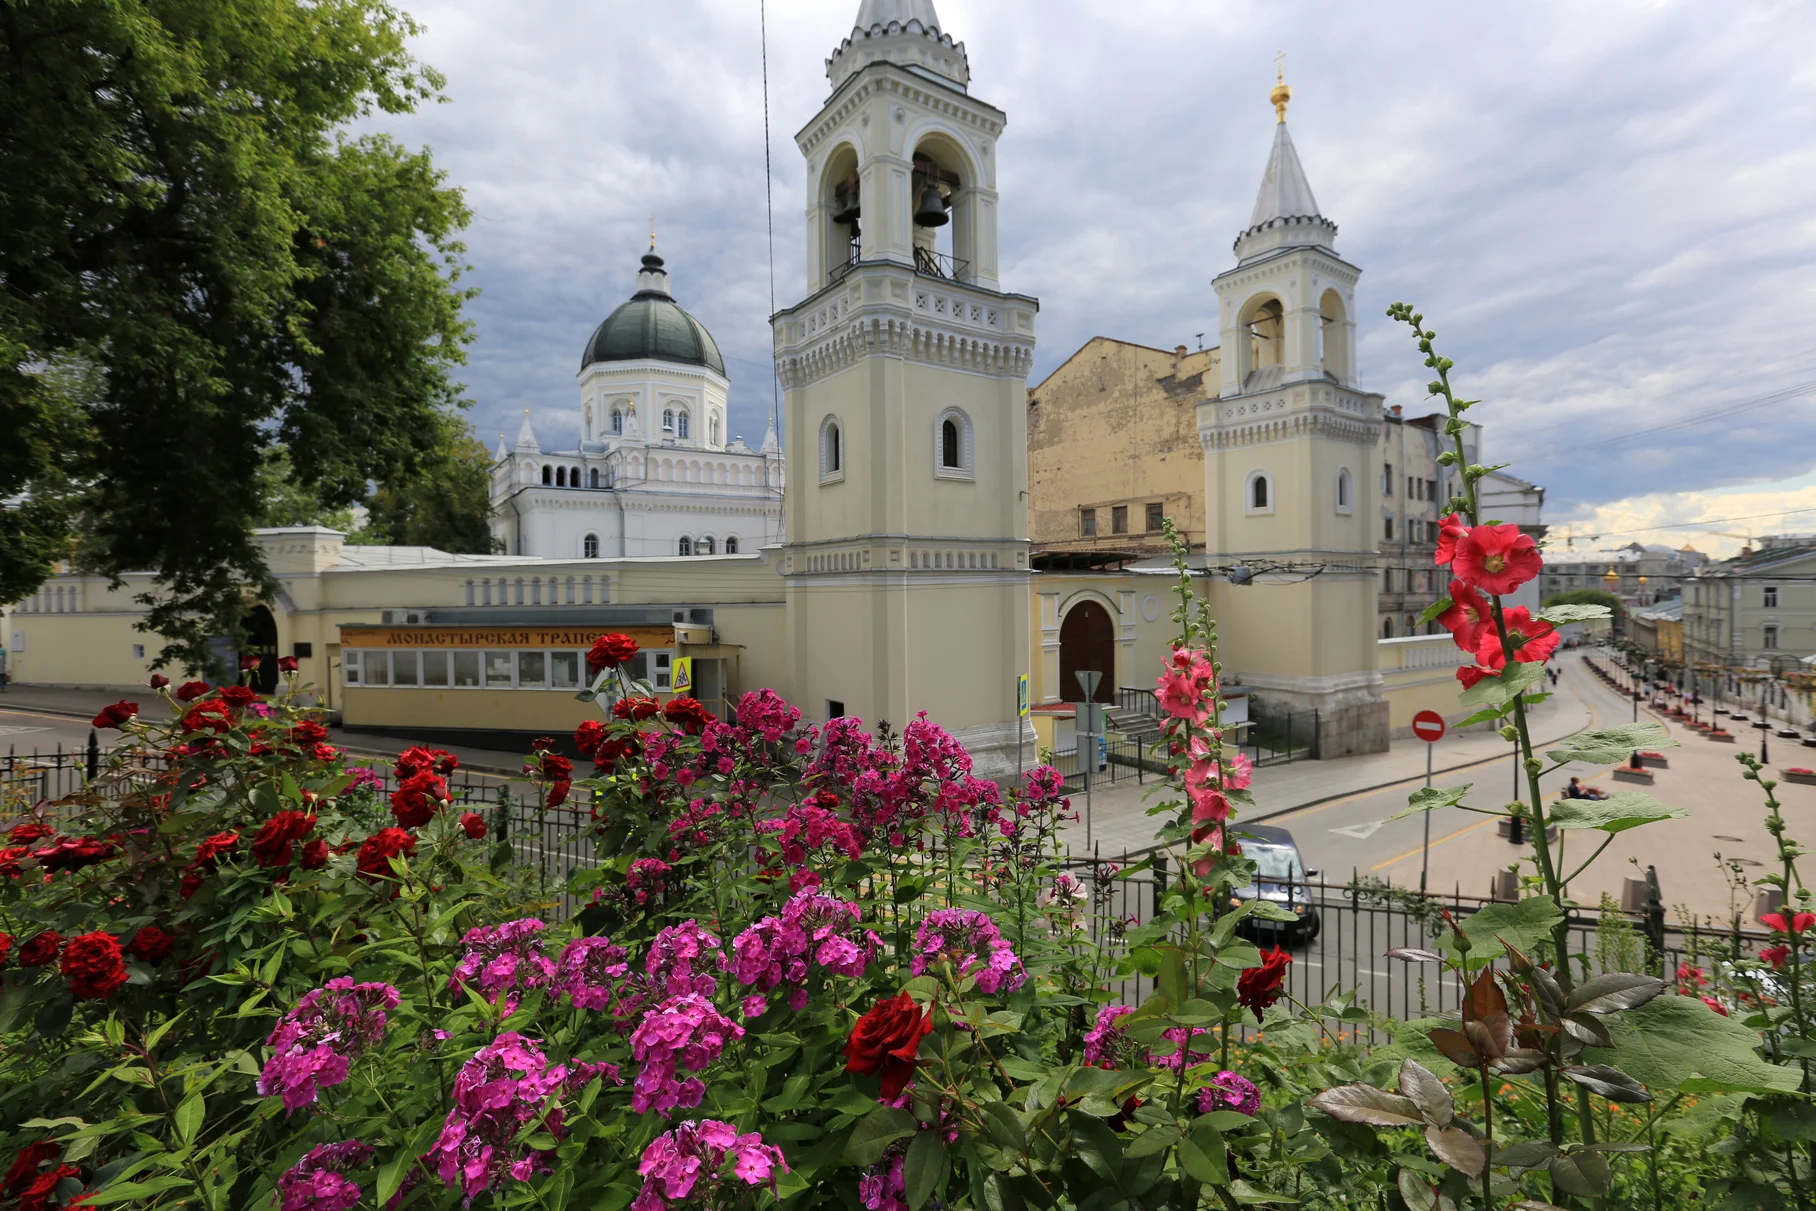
{"x": 1654, "y": 928}
{"x": 94, "y": 755}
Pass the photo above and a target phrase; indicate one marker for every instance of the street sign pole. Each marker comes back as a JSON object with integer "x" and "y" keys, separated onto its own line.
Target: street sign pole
{"x": 1429, "y": 727}
{"x": 1425, "y": 861}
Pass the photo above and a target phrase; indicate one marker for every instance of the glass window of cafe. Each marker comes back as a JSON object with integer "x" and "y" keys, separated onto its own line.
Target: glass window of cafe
{"x": 489, "y": 668}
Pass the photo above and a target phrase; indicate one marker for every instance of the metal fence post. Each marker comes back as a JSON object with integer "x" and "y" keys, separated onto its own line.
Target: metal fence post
{"x": 94, "y": 755}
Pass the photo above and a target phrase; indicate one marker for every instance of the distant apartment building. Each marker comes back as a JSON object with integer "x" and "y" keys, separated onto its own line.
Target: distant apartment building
{"x": 1640, "y": 574}
{"x": 1757, "y": 610}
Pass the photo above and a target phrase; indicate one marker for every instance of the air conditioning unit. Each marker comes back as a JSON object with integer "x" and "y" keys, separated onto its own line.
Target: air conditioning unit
{"x": 403, "y": 618}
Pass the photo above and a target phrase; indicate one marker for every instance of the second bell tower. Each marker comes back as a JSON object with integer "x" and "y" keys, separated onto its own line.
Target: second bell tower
{"x": 904, "y": 373}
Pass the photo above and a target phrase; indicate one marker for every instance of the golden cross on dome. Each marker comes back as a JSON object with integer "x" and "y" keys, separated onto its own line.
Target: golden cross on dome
{"x": 1281, "y": 94}
{"x": 652, "y": 231}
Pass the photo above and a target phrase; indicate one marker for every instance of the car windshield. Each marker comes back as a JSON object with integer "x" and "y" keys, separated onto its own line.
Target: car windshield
{"x": 1275, "y": 863}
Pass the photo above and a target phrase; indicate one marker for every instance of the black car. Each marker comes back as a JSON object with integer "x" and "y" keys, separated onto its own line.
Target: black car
{"x": 1281, "y": 878}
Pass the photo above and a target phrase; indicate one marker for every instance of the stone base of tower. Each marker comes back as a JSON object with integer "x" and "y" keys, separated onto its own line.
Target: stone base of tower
{"x": 1000, "y": 752}
{"x": 1352, "y": 714}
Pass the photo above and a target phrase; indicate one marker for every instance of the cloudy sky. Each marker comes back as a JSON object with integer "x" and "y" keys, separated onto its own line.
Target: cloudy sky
{"x": 1607, "y": 211}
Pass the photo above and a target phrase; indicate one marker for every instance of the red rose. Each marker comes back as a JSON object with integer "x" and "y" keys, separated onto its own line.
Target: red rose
{"x": 41, "y": 949}
{"x": 609, "y": 651}
{"x": 9, "y": 860}
{"x": 94, "y": 966}
{"x": 885, "y": 1040}
{"x": 189, "y": 691}
{"x": 475, "y": 824}
{"x": 159, "y": 681}
{"x": 542, "y": 744}
{"x": 558, "y": 792}
{"x": 25, "y": 834}
{"x": 207, "y": 856}
{"x": 556, "y": 768}
{"x": 687, "y": 714}
{"x": 376, "y": 852}
{"x": 209, "y": 716}
{"x": 117, "y": 715}
{"x": 615, "y": 749}
{"x": 1532, "y": 640}
{"x": 150, "y": 944}
{"x": 307, "y": 732}
{"x": 6, "y": 946}
{"x": 73, "y": 853}
{"x": 37, "y": 1196}
{"x": 24, "y": 1168}
{"x": 416, "y": 760}
{"x": 1259, "y": 987}
{"x": 1496, "y": 559}
{"x": 239, "y": 697}
{"x": 638, "y": 709}
{"x": 324, "y": 752}
{"x": 278, "y": 836}
{"x": 286, "y": 664}
{"x": 418, "y": 799}
{"x": 248, "y": 663}
{"x": 315, "y": 855}
{"x": 588, "y": 735}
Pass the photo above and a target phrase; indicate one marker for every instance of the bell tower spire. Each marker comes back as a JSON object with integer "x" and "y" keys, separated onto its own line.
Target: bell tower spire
{"x": 904, "y": 375}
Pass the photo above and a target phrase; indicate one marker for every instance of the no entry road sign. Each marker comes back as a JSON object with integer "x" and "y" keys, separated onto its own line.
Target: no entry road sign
{"x": 1428, "y": 726}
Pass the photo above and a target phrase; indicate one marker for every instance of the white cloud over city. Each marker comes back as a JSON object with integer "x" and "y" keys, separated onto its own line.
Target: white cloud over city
{"x": 1607, "y": 211}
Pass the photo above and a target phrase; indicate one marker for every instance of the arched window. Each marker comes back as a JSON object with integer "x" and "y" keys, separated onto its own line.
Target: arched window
{"x": 617, "y": 421}
{"x": 1387, "y": 628}
{"x": 949, "y": 455}
{"x": 686, "y": 546}
{"x": 1258, "y": 493}
{"x": 1346, "y": 489}
{"x": 952, "y": 445}
{"x": 832, "y": 450}
{"x": 561, "y": 477}
{"x": 668, "y": 420}
{"x": 731, "y": 544}
{"x": 704, "y": 546}
{"x": 593, "y": 475}
{"x": 589, "y": 547}
{"x": 548, "y": 474}
{"x": 681, "y": 424}
{"x": 713, "y": 429}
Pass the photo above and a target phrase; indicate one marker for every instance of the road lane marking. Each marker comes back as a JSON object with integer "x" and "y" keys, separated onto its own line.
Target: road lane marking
{"x": 1415, "y": 852}
{"x": 1361, "y": 832}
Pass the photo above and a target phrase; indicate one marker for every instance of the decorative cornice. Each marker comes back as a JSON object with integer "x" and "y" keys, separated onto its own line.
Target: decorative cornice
{"x": 887, "y": 79}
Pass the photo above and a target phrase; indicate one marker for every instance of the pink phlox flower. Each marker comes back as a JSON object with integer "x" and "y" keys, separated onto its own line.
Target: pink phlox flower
{"x": 677, "y": 1162}
{"x": 315, "y": 1043}
{"x": 504, "y": 1088}
{"x": 319, "y": 1181}
{"x": 767, "y": 714}
{"x": 683, "y": 1034}
{"x": 679, "y": 958}
{"x": 592, "y": 972}
{"x": 882, "y": 1188}
{"x": 1107, "y": 1045}
{"x": 1230, "y": 1091}
{"x": 775, "y": 950}
{"x": 647, "y": 878}
{"x": 1183, "y": 1056}
{"x": 1043, "y": 784}
{"x": 929, "y": 751}
{"x": 809, "y": 827}
{"x": 970, "y": 941}
{"x": 504, "y": 961}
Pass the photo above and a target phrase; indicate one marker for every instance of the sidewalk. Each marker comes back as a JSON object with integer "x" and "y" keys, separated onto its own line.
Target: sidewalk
{"x": 1120, "y": 823}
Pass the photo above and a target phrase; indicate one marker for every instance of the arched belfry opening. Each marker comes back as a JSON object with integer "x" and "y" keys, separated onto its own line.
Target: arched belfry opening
{"x": 1263, "y": 342}
{"x": 841, "y": 205}
{"x": 943, "y": 209}
{"x": 1333, "y": 336}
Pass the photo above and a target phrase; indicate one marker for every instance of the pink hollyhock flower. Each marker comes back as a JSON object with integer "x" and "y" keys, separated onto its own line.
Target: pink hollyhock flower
{"x": 971, "y": 943}
{"x": 1532, "y": 640}
{"x": 1470, "y": 674}
{"x": 683, "y": 1034}
{"x": 678, "y": 1162}
{"x": 1468, "y": 617}
{"x": 504, "y": 960}
{"x": 1716, "y": 1005}
{"x": 319, "y": 1181}
{"x": 1450, "y": 528}
{"x": 1775, "y": 956}
{"x": 1798, "y": 923}
{"x": 315, "y": 1043}
{"x": 1186, "y": 685}
{"x": 1496, "y": 559}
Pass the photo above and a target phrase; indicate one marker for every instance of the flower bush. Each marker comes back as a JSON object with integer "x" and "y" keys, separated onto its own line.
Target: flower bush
{"x": 820, "y": 965}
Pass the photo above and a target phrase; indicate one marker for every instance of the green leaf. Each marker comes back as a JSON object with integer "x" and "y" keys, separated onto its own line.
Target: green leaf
{"x": 1558, "y": 615}
{"x": 879, "y": 1129}
{"x": 1611, "y": 1083}
{"x": 189, "y": 1118}
{"x": 1435, "y": 608}
{"x": 1487, "y": 714}
{"x": 1154, "y": 1139}
{"x": 1616, "y": 814}
{"x": 1005, "y": 1126}
{"x": 1584, "y": 1174}
{"x": 1492, "y": 691}
{"x": 1611, "y": 744}
{"x": 1249, "y": 1194}
{"x": 126, "y": 1191}
{"x": 924, "y": 1168}
{"x": 1613, "y": 992}
{"x": 1522, "y": 924}
{"x": 1680, "y": 1044}
{"x": 1430, "y": 798}
{"x": 1097, "y": 1146}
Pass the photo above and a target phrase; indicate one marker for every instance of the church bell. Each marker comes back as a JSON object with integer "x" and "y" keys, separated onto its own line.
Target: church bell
{"x": 845, "y": 206}
{"x": 932, "y": 210}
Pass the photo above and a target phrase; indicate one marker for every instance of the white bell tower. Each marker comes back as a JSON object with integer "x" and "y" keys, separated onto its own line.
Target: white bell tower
{"x": 1291, "y": 464}
{"x": 905, "y": 378}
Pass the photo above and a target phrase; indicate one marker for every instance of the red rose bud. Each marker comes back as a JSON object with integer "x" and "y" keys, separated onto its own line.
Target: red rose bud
{"x": 159, "y": 681}
{"x": 248, "y": 663}
{"x": 286, "y": 664}
{"x": 117, "y": 715}
{"x": 151, "y": 944}
{"x": 1259, "y": 987}
{"x": 314, "y": 856}
{"x": 475, "y": 824}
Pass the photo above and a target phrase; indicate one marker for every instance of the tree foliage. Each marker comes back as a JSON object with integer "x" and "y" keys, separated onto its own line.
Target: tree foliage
{"x": 1600, "y": 597}
{"x": 185, "y": 215}
{"x": 445, "y": 504}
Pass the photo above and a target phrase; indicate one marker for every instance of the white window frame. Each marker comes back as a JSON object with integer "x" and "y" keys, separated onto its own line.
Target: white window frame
{"x": 589, "y": 540}
{"x": 1346, "y": 491}
{"x": 730, "y": 546}
{"x": 1768, "y": 637}
{"x": 351, "y": 668}
{"x": 967, "y": 446}
{"x": 684, "y": 545}
{"x": 683, "y": 425}
{"x": 1249, "y": 508}
{"x": 832, "y": 435}
{"x": 1768, "y": 597}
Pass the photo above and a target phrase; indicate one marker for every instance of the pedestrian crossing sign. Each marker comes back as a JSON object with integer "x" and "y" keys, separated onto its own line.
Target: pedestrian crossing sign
{"x": 683, "y": 681}
{"x": 1021, "y": 695}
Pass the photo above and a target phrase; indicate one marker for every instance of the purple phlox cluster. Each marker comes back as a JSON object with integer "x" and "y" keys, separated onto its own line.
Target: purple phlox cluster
{"x": 811, "y": 826}
{"x": 313, "y": 1045}
{"x": 361, "y": 778}
{"x": 931, "y": 752}
{"x": 498, "y": 1093}
{"x": 319, "y": 1181}
{"x": 969, "y": 940}
{"x": 1107, "y": 1045}
{"x": 679, "y": 1160}
{"x": 1042, "y": 784}
{"x": 679, "y": 959}
{"x": 882, "y": 1187}
{"x": 1183, "y": 1056}
{"x": 846, "y": 751}
{"x": 1230, "y": 1091}
{"x": 503, "y": 961}
{"x": 812, "y": 927}
{"x": 591, "y": 972}
{"x": 765, "y": 713}
{"x": 647, "y": 879}
{"x": 683, "y": 1034}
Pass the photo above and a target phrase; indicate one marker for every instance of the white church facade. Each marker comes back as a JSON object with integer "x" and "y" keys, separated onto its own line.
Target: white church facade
{"x": 654, "y": 474}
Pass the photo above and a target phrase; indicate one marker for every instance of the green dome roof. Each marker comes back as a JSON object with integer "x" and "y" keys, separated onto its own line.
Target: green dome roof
{"x": 651, "y": 326}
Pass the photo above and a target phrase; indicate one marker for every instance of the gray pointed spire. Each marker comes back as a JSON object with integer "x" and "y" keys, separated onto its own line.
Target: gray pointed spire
{"x": 904, "y": 32}
{"x": 770, "y": 444}
{"x": 1286, "y": 215}
{"x": 526, "y": 436}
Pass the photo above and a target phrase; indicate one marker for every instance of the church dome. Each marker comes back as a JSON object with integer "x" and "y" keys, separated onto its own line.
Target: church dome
{"x": 652, "y": 327}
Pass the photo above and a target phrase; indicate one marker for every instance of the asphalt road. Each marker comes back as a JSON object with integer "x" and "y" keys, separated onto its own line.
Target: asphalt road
{"x": 25, "y": 731}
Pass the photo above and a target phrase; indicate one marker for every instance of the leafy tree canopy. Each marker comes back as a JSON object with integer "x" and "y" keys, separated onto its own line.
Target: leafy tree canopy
{"x": 198, "y": 263}
{"x": 1601, "y": 597}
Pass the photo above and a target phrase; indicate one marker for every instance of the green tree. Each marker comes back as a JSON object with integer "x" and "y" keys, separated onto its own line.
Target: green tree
{"x": 1601, "y": 597}
{"x": 445, "y": 504}
{"x": 184, "y": 212}
{"x": 285, "y": 502}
